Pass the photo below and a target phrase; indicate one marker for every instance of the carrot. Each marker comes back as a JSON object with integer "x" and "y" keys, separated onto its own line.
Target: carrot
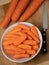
{"x": 29, "y": 37}
{"x": 10, "y": 47}
{"x": 5, "y": 43}
{"x": 23, "y": 26}
{"x": 14, "y": 48}
{"x": 16, "y": 56}
{"x": 24, "y": 31}
{"x": 31, "y": 52}
{"x": 21, "y": 38}
{"x": 10, "y": 37}
{"x": 7, "y": 17}
{"x": 36, "y": 47}
{"x": 15, "y": 29}
{"x": 10, "y": 52}
{"x": 34, "y": 5}
{"x": 24, "y": 46}
{"x": 33, "y": 36}
{"x": 16, "y": 40}
{"x": 20, "y": 9}
{"x": 30, "y": 42}
{"x": 34, "y": 31}
{"x": 17, "y": 51}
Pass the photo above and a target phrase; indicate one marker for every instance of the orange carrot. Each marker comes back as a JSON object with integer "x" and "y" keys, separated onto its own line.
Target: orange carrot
{"x": 30, "y": 42}
{"x": 17, "y": 51}
{"x": 16, "y": 56}
{"x": 10, "y": 47}
{"x": 20, "y": 50}
{"x": 23, "y": 26}
{"x": 20, "y": 9}
{"x": 14, "y": 48}
{"x": 16, "y": 41}
{"x": 21, "y": 38}
{"x": 10, "y": 37}
{"x": 29, "y": 37}
{"x": 34, "y": 31}
{"x": 31, "y": 52}
{"x": 33, "y": 36}
{"x": 23, "y": 31}
{"x": 36, "y": 47}
{"x": 15, "y": 29}
{"x": 24, "y": 46}
{"x": 10, "y": 52}
{"x": 5, "y": 43}
{"x": 34, "y": 5}
{"x": 9, "y": 13}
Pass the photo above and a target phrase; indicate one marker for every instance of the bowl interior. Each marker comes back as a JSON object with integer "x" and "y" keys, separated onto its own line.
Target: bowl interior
{"x": 20, "y": 60}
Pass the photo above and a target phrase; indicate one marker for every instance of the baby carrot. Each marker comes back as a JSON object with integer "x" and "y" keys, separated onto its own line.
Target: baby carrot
{"x": 34, "y": 5}
{"x": 15, "y": 29}
{"x": 9, "y": 13}
{"x": 20, "y": 39}
{"x": 24, "y": 46}
{"x": 29, "y": 37}
{"x": 20, "y": 9}
{"x": 33, "y": 36}
{"x": 30, "y": 42}
{"x": 11, "y": 52}
{"x": 16, "y": 56}
{"x": 17, "y": 51}
{"x": 10, "y": 37}
{"x": 31, "y": 52}
{"x": 36, "y": 47}
{"x": 23, "y": 26}
{"x": 6, "y": 43}
{"x": 10, "y": 47}
{"x": 34, "y": 31}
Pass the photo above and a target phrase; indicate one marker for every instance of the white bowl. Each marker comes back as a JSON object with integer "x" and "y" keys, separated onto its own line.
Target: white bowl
{"x": 26, "y": 59}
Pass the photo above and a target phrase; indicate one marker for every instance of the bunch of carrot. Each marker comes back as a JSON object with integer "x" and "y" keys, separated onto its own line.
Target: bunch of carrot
{"x": 21, "y": 41}
{"x": 19, "y": 9}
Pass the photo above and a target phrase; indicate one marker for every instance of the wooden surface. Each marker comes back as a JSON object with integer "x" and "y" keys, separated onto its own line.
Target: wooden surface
{"x": 40, "y": 59}
{"x": 3, "y": 2}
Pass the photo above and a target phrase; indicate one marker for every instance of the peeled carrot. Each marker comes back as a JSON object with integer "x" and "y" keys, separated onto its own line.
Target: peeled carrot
{"x": 34, "y": 5}
{"x": 23, "y": 30}
{"x": 10, "y": 37}
{"x": 36, "y": 47}
{"x": 20, "y": 9}
{"x": 10, "y": 52}
{"x": 30, "y": 42}
{"x": 15, "y": 29}
{"x": 16, "y": 40}
{"x": 17, "y": 51}
{"x": 34, "y": 31}
{"x": 14, "y": 48}
{"x": 24, "y": 46}
{"x": 5, "y": 43}
{"x": 23, "y": 26}
{"x": 29, "y": 37}
{"x": 21, "y": 44}
{"x": 33, "y": 36}
{"x": 21, "y": 38}
{"x": 10, "y": 47}
{"x": 16, "y": 56}
{"x": 31, "y": 52}
{"x": 7, "y": 17}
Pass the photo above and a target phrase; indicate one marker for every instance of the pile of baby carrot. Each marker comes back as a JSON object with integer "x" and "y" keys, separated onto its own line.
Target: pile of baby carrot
{"x": 21, "y": 41}
{"x": 20, "y": 10}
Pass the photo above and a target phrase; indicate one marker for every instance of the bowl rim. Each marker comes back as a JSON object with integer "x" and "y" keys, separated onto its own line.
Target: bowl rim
{"x": 9, "y": 28}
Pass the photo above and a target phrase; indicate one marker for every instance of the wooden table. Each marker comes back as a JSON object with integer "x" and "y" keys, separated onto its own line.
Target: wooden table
{"x": 40, "y": 59}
